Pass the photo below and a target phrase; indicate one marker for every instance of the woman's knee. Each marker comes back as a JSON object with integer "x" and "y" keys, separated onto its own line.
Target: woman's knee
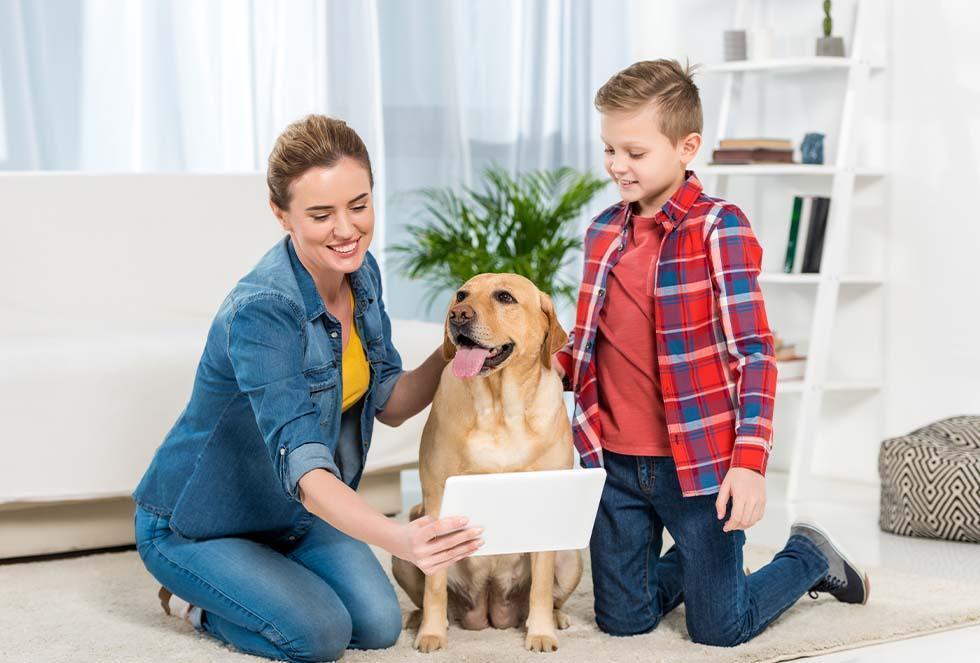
{"x": 378, "y": 628}
{"x": 319, "y": 637}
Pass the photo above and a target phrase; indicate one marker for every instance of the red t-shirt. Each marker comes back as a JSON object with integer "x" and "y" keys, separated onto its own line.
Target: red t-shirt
{"x": 631, "y": 405}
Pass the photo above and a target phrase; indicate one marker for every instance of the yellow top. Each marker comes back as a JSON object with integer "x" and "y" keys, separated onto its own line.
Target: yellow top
{"x": 356, "y": 373}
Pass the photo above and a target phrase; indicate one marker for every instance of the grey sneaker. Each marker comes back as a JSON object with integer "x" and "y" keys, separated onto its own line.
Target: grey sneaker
{"x": 844, "y": 581}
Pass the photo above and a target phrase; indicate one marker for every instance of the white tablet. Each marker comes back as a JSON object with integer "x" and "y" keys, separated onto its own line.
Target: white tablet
{"x": 527, "y": 511}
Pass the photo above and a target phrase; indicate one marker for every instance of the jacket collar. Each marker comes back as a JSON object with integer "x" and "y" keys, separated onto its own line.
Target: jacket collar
{"x": 361, "y": 285}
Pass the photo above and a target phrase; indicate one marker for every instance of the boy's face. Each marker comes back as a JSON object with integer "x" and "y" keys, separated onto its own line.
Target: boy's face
{"x": 642, "y": 161}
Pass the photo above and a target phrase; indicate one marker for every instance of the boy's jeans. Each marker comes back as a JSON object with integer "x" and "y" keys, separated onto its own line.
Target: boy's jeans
{"x": 635, "y": 586}
{"x": 303, "y": 600}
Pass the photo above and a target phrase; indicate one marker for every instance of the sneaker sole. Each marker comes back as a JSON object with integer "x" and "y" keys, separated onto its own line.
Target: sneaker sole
{"x": 865, "y": 580}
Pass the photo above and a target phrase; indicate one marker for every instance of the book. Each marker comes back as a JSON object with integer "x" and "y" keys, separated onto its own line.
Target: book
{"x": 813, "y": 251}
{"x": 758, "y": 155}
{"x": 752, "y": 143}
{"x": 820, "y": 241}
{"x": 794, "y": 228}
{"x": 806, "y": 213}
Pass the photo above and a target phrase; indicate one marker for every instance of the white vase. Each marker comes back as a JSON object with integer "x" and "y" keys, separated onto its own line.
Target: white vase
{"x": 760, "y": 44}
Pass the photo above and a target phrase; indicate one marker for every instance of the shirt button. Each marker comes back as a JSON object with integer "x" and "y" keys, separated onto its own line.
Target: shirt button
{"x": 602, "y": 292}
{"x": 622, "y": 246}
{"x": 292, "y": 538}
{"x": 333, "y": 334}
{"x": 588, "y": 345}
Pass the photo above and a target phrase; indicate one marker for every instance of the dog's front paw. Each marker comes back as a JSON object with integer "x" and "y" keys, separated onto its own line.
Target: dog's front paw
{"x": 430, "y": 642}
{"x": 541, "y": 642}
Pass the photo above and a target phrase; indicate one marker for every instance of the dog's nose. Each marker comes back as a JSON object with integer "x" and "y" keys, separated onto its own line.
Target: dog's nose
{"x": 461, "y": 314}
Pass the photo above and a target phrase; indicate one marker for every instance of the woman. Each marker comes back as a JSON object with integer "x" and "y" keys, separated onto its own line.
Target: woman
{"x": 247, "y": 512}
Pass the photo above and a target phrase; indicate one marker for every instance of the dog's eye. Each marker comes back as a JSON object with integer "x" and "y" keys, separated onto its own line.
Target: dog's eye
{"x": 505, "y": 297}
{"x": 460, "y": 296}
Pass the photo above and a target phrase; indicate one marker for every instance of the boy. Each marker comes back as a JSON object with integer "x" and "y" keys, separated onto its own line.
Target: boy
{"x": 673, "y": 368}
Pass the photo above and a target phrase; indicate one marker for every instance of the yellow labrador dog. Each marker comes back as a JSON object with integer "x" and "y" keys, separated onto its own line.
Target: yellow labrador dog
{"x": 498, "y": 408}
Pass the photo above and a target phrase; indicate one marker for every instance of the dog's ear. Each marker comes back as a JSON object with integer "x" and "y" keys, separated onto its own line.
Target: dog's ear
{"x": 555, "y": 338}
{"x": 448, "y": 348}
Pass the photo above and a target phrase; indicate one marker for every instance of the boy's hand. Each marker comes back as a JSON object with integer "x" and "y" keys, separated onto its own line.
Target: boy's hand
{"x": 747, "y": 489}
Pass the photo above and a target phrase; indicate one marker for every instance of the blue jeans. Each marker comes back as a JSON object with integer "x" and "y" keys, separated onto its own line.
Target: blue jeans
{"x": 635, "y": 585}
{"x": 302, "y": 600}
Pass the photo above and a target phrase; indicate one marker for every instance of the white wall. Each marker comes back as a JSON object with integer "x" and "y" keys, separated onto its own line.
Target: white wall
{"x": 934, "y": 304}
{"x": 919, "y": 331}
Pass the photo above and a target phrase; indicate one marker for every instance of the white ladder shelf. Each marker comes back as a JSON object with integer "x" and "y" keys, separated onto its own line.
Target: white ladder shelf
{"x": 815, "y": 384}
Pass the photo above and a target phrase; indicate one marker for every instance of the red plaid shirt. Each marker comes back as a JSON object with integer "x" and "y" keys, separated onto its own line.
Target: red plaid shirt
{"x": 716, "y": 352}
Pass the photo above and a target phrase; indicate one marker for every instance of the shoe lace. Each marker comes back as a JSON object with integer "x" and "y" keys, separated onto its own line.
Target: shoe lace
{"x": 830, "y": 584}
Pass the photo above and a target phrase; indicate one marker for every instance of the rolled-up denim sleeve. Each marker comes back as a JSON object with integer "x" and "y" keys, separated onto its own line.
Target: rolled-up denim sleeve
{"x": 391, "y": 367}
{"x": 266, "y": 347}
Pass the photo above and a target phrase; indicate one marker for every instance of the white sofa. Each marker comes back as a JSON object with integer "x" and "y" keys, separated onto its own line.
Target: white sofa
{"x": 109, "y": 285}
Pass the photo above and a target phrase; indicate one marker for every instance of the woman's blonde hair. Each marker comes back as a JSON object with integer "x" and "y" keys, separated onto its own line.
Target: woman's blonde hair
{"x": 665, "y": 83}
{"x": 314, "y": 141}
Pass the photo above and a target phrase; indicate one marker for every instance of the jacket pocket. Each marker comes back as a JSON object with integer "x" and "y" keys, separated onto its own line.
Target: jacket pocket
{"x": 322, "y": 382}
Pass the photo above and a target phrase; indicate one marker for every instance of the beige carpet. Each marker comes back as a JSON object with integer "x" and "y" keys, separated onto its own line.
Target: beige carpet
{"x": 104, "y": 608}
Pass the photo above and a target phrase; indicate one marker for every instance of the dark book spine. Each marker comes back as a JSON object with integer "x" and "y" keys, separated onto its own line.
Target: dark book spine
{"x": 810, "y": 235}
{"x": 814, "y": 240}
{"x": 794, "y": 228}
{"x": 818, "y": 251}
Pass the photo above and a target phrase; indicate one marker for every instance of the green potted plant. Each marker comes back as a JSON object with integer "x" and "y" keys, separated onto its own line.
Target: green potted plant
{"x": 522, "y": 224}
{"x": 827, "y": 45}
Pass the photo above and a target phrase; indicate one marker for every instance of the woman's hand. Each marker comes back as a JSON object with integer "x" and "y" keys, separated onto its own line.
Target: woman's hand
{"x": 429, "y": 544}
{"x": 433, "y": 545}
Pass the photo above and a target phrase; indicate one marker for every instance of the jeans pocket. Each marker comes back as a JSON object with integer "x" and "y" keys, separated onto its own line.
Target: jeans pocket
{"x": 144, "y": 529}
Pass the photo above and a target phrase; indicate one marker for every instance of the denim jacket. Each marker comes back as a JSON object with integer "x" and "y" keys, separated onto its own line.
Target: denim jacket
{"x": 266, "y": 405}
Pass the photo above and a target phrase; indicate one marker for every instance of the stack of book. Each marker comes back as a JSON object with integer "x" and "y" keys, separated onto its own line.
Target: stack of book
{"x": 789, "y": 365}
{"x": 753, "y": 150}
{"x": 808, "y": 225}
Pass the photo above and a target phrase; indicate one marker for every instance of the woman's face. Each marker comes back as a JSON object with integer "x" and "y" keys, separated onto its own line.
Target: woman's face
{"x": 330, "y": 217}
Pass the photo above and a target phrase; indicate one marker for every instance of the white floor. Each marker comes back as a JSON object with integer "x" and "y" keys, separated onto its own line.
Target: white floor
{"x": 850, "y": 512}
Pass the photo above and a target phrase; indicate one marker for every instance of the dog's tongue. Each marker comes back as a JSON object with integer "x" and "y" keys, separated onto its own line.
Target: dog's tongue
{"x": 469, "y": 361}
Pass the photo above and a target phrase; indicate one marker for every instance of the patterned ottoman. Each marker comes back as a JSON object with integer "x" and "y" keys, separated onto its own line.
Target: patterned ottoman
{"x": 930, "y": 481}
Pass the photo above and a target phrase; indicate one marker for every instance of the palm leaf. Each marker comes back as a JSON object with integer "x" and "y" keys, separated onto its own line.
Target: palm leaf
{"x": 522, "y": 224}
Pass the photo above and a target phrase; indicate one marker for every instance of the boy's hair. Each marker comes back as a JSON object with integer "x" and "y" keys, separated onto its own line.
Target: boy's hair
{"x": 663, "y": 82}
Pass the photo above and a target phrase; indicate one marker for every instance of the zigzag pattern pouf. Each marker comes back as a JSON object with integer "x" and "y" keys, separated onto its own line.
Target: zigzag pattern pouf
{"x": 930, "y": 481}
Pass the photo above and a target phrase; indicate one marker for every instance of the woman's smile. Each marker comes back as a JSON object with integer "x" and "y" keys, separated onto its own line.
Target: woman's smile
{"x": 345, "y": 250}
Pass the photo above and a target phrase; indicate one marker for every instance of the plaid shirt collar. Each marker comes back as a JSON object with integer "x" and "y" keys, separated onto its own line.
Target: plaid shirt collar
{"x": 675, "y": 210}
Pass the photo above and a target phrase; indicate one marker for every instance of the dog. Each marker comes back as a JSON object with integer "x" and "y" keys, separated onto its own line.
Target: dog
{"x": 498, "y": 408}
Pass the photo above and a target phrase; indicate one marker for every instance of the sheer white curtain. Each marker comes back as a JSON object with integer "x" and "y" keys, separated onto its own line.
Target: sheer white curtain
{"x": 438, "y": 89}
{"x": 181, "y": 85}
{"x": 467, "y": 84}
